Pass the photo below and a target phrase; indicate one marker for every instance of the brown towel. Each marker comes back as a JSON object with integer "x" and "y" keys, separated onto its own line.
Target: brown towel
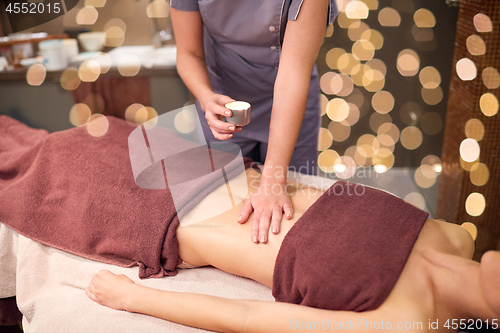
{"x": 9, "y": 313}
{"x": 77, "y": 193}
{"x": 348, "y": 249}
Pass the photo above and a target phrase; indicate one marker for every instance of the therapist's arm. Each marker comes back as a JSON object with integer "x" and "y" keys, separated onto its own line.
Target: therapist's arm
{"x": 301, "y": 45}
{"x": 192, "y": 68}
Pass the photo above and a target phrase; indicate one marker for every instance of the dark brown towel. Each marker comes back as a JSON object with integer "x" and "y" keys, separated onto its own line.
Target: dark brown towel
{"x": 9, "y": 313}
{"x": 348, "y": 249}
{"x": 77, "y": 193}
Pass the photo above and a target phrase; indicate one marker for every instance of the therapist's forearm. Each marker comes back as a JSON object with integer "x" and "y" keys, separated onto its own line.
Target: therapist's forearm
{"x": 290, "y": 99}
{"x": 193, "y": 71}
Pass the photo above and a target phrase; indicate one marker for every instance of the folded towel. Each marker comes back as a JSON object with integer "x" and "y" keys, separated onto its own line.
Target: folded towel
{"x": 348, "y": 249}
{"x": 77, "y": 193}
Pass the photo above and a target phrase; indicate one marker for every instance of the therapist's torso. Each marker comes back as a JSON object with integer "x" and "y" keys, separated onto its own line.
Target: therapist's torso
{"x": 242, "y": 51}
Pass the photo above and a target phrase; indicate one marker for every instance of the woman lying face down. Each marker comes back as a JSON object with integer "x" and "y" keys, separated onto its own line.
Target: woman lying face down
{"x": 343, "y": 262}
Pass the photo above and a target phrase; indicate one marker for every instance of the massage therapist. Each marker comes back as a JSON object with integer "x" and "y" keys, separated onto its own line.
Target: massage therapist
{"x": 238, "y": 50}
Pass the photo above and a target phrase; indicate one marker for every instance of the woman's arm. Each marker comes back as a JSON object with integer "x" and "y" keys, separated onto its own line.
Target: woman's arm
{"x": 210, "y": 312}
{"x": 301, "y": 45}
{"x": 192, "y": 68}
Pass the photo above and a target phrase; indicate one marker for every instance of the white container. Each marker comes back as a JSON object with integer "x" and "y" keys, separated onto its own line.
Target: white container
{"x": 53, "y": 54}
{"x": 70, "y": 48}
{"x": 92, "y": 41}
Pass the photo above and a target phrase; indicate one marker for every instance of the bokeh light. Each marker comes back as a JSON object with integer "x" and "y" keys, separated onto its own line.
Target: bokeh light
{"x": 325, "y": 139}
{"x": 337, "y": 109}
{"x": 146, "y": 115}
{"x": 479, "y": 174}
{"x": 383, "y": 102}
{"x": 377, "y": 119}
{"x": 87, "y": 16}
{"x": 356, "y": 10}
{"x": 429, "y": 77}
{"x": 491, "y": 78}
{"x": 374, "y": 37}
{"x": 389, "y": 17}
{"x": 158, "y": 9}
{"x": 70, "y": 79}
{"x": 408, "y": 62}
{"x": 410, "y": 113}
{"x": 474, "y": 129}
{"x": 424, "y": 18}
{"x": 115, "y": 30}
{"x": 411, "y": 137}
{"x": 98, "y": 125}
{"x": 340, "y": 130}
{"x": 326, "y": 160}
{"x": 129, "y": 65}
{"x": 475, "y": 204}
{"x": 344, "y": 167}
{"x": 476, "y": 45}
{"x": 363, "y": 50}
{"x": 416, "y": 199}
{"x": 422, "y": 34}
{"x": 432, "y": 96}
{"x": 433, "y": 161}
{"x": 347, "y": 62}
{"x": 324, "y": 103}
{"x": 95, "y": 3}
{"x": 80, "y": 114}
{"x": 488, "y": 104}
{"x": 466, "y": 69}
{"x": 353, "y": 116}
{"x": 425, "y": 176}
{"x": 332, "y": 57}
{"x": 356, "y": 30}
{"x": 325, "y": 82}
{"x": 343, "y": 21}
{"x": 36, "y": 75}
{"x": 185, "y": 121}
{"x": 131, "y": 111}
{"x": 483, "y": 23}
{"x": 89, "y": 71}
{"x": 471, "y": 228}
{"x": 469, "y": 150}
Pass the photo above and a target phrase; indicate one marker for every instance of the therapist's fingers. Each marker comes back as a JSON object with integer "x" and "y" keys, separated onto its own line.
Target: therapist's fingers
{"x": 255, "y": 227}
{"x": 288, "y": 210}
{"x": 219, "y": 108}
{"x": 276, "y": 220}
{"x": 221, "y": 128}
{"x": 264, "y": 223}
{"x": 246, "y": 211}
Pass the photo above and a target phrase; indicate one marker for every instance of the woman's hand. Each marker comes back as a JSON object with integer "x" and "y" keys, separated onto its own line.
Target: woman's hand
{"x": 110, "y": 290}
{"x": 214, "y": 111}
{"x": 268, "y": 203}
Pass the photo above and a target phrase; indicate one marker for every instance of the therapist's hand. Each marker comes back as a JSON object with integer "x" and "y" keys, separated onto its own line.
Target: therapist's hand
{"x": 214, "y": 111}
{"x": 269, "y": 203}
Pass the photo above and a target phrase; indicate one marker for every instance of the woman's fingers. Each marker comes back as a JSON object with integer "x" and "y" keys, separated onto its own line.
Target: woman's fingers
{"x": 246, "y": 211}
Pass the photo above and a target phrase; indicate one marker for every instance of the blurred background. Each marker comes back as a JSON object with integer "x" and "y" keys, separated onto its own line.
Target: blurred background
{"x": 385, "y": 68}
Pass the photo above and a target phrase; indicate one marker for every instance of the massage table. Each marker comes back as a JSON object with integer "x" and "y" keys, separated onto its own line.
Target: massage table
{"x": 50, "y": 284}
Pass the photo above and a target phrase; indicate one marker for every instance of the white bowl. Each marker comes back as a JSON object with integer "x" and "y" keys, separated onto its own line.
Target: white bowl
{"x": 92, "y": 41}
